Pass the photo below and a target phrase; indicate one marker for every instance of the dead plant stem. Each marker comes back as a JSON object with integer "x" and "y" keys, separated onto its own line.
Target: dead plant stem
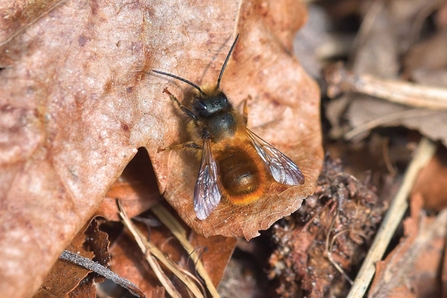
{"x": 410, "y": 94}
{"x": 424, "y": 153}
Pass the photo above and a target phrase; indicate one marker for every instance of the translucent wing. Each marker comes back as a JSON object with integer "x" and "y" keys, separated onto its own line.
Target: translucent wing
{"x": 206, "y": 193}
{"x": 282, "y": 168}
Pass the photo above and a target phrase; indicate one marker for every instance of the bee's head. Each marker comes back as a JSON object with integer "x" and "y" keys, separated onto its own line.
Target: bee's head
{"x": 210, "y": 103}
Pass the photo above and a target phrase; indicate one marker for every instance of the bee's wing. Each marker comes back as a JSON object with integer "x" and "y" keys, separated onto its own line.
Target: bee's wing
{"x": 282, "y": 168}
{"x": 206, "y": 193}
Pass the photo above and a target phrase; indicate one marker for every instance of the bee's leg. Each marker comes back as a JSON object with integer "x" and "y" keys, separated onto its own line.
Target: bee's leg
{"x": 245, "y": 109}
{"x": 187, "y": 145}
{"x": 182, "y": 107}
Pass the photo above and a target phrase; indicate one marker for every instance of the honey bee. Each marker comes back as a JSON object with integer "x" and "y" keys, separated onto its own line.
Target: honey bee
{"x": 235, "y": 164}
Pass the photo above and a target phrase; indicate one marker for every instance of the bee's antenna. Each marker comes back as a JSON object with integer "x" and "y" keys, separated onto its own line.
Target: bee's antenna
{"x": 180, "y": 79}
{"x": 226, "y": 61}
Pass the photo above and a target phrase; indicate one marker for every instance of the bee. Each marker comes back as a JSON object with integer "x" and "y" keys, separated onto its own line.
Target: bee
{"x": 236, "y": 164}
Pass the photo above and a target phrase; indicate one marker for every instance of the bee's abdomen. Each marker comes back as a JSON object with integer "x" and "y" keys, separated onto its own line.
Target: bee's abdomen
{"x": 240, "y": 175}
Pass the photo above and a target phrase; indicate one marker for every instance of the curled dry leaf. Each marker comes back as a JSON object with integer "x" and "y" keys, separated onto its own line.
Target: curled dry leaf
{"x": 283, "y": 110}
{"x": 76, "y": 103}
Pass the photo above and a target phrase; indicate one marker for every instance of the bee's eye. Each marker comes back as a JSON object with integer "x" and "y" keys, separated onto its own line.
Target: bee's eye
{"x": 223, "y": 100}
{"x": 199, "y": 106}
{"x": 205, "y": 107}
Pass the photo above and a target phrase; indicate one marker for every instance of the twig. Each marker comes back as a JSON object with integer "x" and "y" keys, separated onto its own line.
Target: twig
{"x": 101, "y": 270}
{"x": 424, "y": 153}
{"x": 340, "y": 80}
{"x": 180, "y": 233}
{"x": 386, "y": 119}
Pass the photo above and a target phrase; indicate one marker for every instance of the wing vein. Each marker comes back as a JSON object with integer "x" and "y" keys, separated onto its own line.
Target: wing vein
{"x": 206, "y": 192}
{"x": 282, "y": 168}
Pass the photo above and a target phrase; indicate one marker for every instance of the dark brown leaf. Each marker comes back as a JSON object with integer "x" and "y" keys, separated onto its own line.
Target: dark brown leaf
{"x": 431, "y": 182}
{"x": 216, "y": 253}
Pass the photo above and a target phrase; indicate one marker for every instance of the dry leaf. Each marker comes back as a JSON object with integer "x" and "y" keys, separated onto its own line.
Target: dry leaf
{"x": 76, "y": 103}
{"x": 66, "y": 278}
{"x": 283, "y": 111}
{"x": 216, "y": 254}
{"x": 136, "y": 188}
{"x": 383, "y": 38}
{"x": 429, "y": 54}
{"x": 130, "y": 263}
{"x": 412, "y": 269}
{"x": 378, "y": 51}
{"x": 63, "y": 141}
{"x": 427, "y": 122}
{"x": 431, "y": 182}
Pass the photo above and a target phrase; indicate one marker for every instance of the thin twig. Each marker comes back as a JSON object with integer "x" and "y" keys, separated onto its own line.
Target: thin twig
{"x": 415, "y": 95}
{"x": 150, "y": 251}
{"x": 101, "y": 270}
{"x": 424, "y": 153}
{"x": 146, "y": 248}
{"x": 180, "y": 233}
